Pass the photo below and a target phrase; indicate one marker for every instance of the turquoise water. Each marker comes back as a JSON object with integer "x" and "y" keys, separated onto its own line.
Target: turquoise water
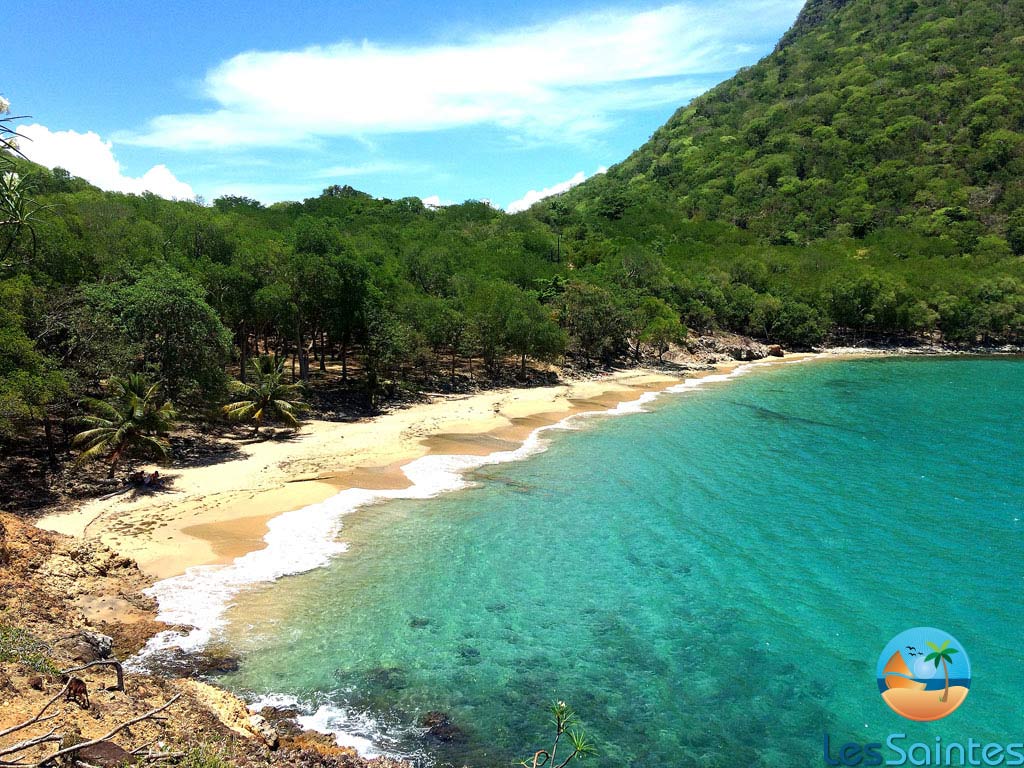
{"x": 709, "y": 583}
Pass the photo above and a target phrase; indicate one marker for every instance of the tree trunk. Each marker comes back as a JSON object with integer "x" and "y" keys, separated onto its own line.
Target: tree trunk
{"x": 323, "y": 350}
{"x": 945, "y": 694}
{"x": 344, "y": 356}
{"x": 244, "y": 352}
{"x": 51, "y": 453}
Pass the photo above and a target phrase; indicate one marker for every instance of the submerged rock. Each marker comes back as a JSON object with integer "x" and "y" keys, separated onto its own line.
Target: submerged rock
{"x": 206, "y": 663}
{"x": 387, "y": 678}
{"x": 418, "y": 622}
{"x": 440, "y": 728}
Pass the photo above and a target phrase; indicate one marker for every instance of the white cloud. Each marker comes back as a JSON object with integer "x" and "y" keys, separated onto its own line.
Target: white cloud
{"x": 534, "y": 195}
{"x": 88, "y": 156}
{"x": 370, "y": 168}
{"x": 435, "y": 201}
{"x": 564, "y": 80}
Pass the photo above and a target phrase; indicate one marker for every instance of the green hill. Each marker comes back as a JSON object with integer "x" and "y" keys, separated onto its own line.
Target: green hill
{"x": 869, "y": 114}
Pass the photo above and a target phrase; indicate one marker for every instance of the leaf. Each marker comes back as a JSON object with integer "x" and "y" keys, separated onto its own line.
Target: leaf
{"x": 944, "y": 646}
{"x": 931, "y": 645}
{"x": 951, "y": 650}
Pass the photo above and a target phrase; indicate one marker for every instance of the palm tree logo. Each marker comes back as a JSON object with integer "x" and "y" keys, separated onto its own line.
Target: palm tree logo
{"x": 941, "y": 654}
{"x": 908, "y": 674}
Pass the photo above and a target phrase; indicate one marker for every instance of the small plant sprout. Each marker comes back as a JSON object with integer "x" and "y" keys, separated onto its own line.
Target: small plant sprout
{"x": 563, "y": 718}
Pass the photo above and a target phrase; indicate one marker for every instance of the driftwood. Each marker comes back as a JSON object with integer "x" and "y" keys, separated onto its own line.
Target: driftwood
{"x": 38, "y": 717}
{"x": 69, "y": 750}
{"x": 52, "y": 735}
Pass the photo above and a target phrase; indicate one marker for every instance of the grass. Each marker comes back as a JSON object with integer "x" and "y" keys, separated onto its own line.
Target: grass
{"x": 205, "y": 755}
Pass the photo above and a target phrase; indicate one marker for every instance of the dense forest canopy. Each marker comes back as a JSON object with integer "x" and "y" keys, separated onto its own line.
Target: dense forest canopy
{"x": 862, "y": 182}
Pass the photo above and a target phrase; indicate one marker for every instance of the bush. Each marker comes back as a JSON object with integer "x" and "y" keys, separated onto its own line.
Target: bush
{"x": 20, "y": 647}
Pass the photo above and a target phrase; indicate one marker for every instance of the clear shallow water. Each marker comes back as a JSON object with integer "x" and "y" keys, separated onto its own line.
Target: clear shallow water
{"x": 709, "y": 583}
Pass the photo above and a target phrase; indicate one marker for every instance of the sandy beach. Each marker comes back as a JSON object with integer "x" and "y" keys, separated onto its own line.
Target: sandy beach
{"x": 213, "y": 514}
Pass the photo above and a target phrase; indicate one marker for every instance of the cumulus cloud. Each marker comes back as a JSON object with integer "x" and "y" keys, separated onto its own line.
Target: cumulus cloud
{"x": 534, "y": 195}
{"x": 88, "y": 156}
{"x": 565, "y": 79}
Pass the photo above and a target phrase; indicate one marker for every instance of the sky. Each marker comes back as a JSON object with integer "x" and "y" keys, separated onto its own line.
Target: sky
{"x": 506, "y": 102}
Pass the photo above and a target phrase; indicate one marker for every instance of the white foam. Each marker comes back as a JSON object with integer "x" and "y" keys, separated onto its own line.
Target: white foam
{"x": 345, "y": 727}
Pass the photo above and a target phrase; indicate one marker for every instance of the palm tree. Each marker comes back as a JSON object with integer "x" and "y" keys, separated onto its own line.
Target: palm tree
{"x": 133, "y": 420}
{"x": 266, "y": 396}
{"x": 942, "y": 654}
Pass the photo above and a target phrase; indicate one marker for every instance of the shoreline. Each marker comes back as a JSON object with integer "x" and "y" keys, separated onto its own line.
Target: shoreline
{"x": 436, "y": 430}
{"x": 195, "y": 603}
{"x": 213, "y": 514}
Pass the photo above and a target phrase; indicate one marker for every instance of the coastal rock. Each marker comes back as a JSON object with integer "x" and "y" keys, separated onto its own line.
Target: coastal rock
{"x": 86, "y": 647}
{"x": 440, "y": 728}
{"x": 209, "y": 662}
{"x": 282, "y": 720}
{"x": 774, "y": 350}
{"x": 105, "y": 754}
{"x": 263, "y": 729}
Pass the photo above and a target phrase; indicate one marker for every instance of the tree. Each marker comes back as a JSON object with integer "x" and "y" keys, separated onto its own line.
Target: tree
{"x": 134, "y": 420}
{"x": 563, "y": 716}
{"x": 595, "y": 321}
{"x": 165, "y": 313}
{"x": 18, "y": 212}
{"x": 941, "y": 654}
{"x": 655, "y": 323}
{"x": 265, "y": 396}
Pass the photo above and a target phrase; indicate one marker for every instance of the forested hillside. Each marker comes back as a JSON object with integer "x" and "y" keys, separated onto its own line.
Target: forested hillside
{"x": 861, "y": 183}
{"x": 868, "y": 175}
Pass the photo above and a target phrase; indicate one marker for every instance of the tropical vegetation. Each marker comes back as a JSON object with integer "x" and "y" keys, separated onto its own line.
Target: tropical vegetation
{"x": 133, "y": 420}
{"x": 862, "y": 183}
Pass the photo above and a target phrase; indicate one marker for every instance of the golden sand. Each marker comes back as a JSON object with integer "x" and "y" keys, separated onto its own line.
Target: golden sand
{"x": 924, "y": 706}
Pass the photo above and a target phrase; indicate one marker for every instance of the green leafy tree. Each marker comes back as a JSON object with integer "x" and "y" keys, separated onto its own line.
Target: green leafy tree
{"x": 165, "y": 314}
{"x": 133, "y": 420}
{"x": 265, "y": 396}
{"x": 941, "y": 654}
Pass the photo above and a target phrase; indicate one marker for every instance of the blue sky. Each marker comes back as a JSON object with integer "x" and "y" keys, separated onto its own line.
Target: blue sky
{"x": 468, "y": 100}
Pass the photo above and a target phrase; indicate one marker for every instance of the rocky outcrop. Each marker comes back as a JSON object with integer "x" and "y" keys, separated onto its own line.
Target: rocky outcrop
{"x": 53, "y": 587}
{"x": 705, "y": 351}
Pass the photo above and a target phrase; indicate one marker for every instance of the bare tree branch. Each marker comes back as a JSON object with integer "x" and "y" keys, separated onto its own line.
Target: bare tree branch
{"x": 35, "y": 741}
{"x": 39, "y": 717}
{"x": 68, "y": 750}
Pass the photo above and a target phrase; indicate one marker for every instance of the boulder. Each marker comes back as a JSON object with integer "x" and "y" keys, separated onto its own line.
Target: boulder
{"x": 264, "y": 730}
{"x": 86, "y": 647}
{"x": 206, "y": 663}
{"x": 774, "y": 350}
{"x": 105, "y": 754}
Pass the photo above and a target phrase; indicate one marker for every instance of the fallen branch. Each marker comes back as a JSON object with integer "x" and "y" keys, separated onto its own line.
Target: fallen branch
{"x": 38, "y": 718}
{"x": 21, "y": 746}
{"x": 68, "y": 750}
{"x": 102, "y": 663}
